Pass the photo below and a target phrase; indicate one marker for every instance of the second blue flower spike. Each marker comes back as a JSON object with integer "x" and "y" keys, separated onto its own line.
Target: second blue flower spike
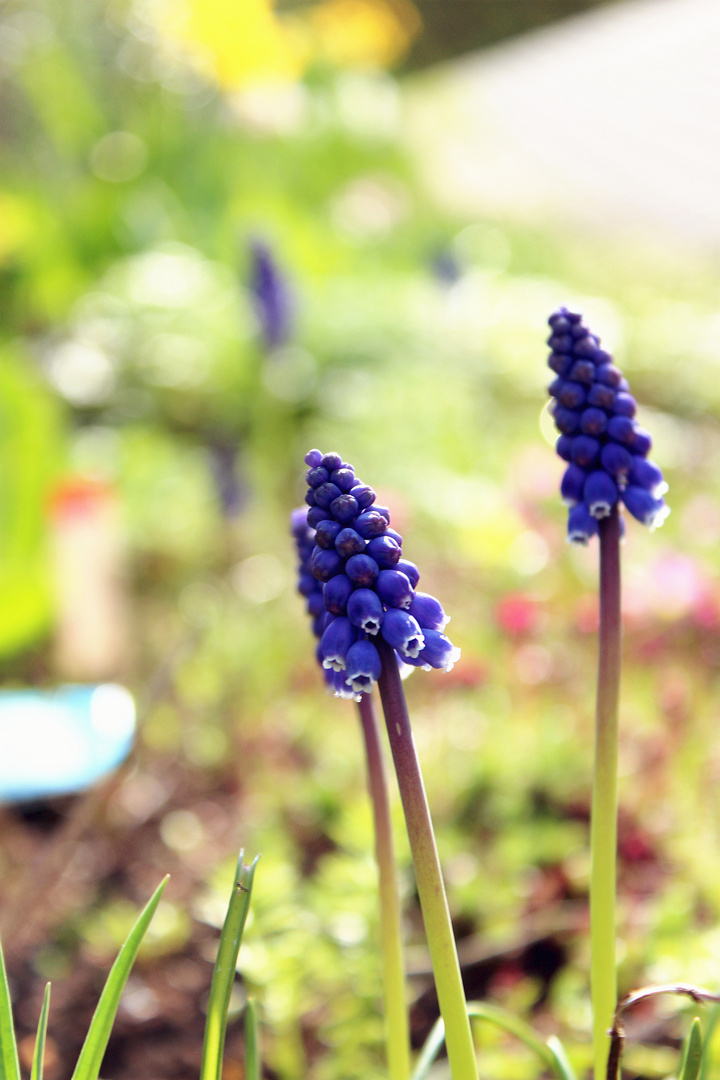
{"x": 604, "y": 446}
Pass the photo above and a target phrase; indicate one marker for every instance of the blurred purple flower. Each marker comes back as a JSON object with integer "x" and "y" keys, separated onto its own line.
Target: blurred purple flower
{"x": 446, "y": 267}
{"x": 223, "y": 461}
{"x": 271, "y": 294}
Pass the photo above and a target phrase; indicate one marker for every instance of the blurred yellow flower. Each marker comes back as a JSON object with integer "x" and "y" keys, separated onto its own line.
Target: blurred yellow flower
{"x": 244, "y": 43}
{"x": 364, "y": 33}
{"x": 242, "y": 40}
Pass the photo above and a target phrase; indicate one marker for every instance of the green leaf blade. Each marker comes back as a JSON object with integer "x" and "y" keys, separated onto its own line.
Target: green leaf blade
{"x": 253, "y": 1069}
{"x": 692, "y": 1055}
{"x": 9, "y": 1061}
{"x": 563, "y": 1068}
{"x": 515, "y": 1026}
{"x": 96, "y": 1040}
{"x": 38, "y": 1063}
{"x": 430, "y": 1050}
{"x": 224, "y": 971}
{"x": 551, "y": 1053}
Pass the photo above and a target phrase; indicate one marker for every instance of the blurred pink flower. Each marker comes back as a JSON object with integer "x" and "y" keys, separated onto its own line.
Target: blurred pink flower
{"x": 517, "y": 614}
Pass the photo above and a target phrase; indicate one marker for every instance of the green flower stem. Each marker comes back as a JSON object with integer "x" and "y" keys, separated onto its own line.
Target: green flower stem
{"x": 428, "y": 876}
{"x": 603, "y": 829}
{"x": 396, "y": 1017}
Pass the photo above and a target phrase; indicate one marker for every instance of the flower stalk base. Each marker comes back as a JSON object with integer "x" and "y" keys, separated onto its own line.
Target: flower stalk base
{"x": 396, "y": 1017}
{"x": 428, "y": 876}
{"x": 603, "y": 829}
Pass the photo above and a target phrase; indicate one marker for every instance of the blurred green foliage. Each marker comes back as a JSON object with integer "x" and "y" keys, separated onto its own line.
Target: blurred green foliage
{"x": 130, "y": 190}
{"x": 30, "y": 434}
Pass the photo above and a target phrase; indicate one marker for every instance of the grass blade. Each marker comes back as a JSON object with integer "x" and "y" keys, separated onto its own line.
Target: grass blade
{"x": 224, "y": 971}
{"x": 692, "y": 1055}
{"x": 252, "y": 1042}
{"x": 96, "y": 1040}
{"x": 430, "y": 1050}
{"x": 517, "y": 1027}
{"x": 9, "y": 1063}
{"x": 563, "y": 1069}
{"x": 39, "y": 1053}
{"x": 551, "y": 1053}
{"x": 707, "y": 1041}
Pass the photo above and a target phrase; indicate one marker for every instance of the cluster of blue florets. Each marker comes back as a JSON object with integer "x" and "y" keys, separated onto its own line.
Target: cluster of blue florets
{"x": 357, "y": 584}
{"x": 606, "y": 449}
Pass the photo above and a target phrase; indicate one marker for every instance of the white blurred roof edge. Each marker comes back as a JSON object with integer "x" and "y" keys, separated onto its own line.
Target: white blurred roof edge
{"x": 609, "y": 119}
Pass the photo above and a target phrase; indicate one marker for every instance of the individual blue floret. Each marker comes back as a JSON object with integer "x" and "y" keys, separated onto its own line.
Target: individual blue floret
{"x": 335, "y": 642}
{"x": 336, "y": 593}
{"x": 402, "y": 632}
{"x": 371, "y": 523}
{"x": 585, "y": 451}
{"x": 327, "y": 533}
{"x": 348, "y": 543}
{"x": 337, "y": 682}
{"x": 363, "y": 666}
{"x": 324, "y": 564}
{"x": 647, "y": 474}
{"x": 410, "y": 571}
{"x": 572, "y": 484}
{"x": 564, "y": 447}
{"x": 600, "y": 439}
{"x": 581, "y": 525}
{"x": 437, "y": 652}
{"x": 365, "y": 610}
{"x": 644, "y": 506}
{"x": 385, "y": 551}
{"x": 617, "y": 461}
{"x": 394, "y": 588}
{"x": 362, "y": 570}
{"x": 357, "y": 585}
{"x": 428, "y": 611}
{"x": 600, "y": 493}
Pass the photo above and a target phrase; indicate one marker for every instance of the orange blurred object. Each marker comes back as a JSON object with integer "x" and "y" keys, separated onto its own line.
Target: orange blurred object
{"x": 92, "y": 626}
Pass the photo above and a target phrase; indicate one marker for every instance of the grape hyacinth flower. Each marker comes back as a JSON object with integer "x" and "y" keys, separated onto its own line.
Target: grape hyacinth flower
{"x": 357, "y": 586}
{"x": 607, "y": 465}
{"x": 343, "y": 615}
{"x": 371, "y": 620}
{"x": 604, "y": 446}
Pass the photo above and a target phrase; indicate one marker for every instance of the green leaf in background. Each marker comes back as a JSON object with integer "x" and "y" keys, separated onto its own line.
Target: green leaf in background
{"x": 224, "y": 971}
{"x": 31, "y": 450}
{"x": 253, "y": 1067}
{"x": 562, "y": 1069}
{"x": 551, "y": 1053}
{"x": 91, "y": 1055}
{"x": 9, "y": 1064}
{"x": 692, "y": 1053}
{"x": 39, "y": 1053}
{"x": 707, "y": 1042}
{"x": 430, "y": 1050}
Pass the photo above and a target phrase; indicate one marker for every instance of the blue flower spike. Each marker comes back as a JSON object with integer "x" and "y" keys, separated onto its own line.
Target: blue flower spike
{"x": 357, "y": 585}
{"x": 605, "y": 448}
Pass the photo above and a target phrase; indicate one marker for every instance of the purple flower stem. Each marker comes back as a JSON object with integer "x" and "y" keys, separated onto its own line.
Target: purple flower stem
{"x": 396, "y": 1016}
{"x": 428, "y": 876}
{"x": 603, "y": 828}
